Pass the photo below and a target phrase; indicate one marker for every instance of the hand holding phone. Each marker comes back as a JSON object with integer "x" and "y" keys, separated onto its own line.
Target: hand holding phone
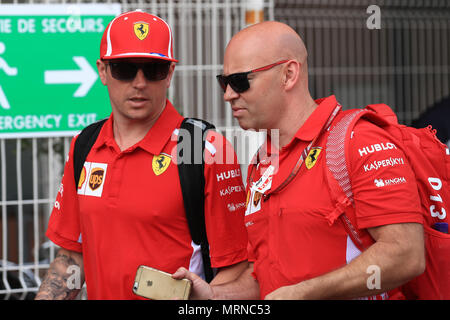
{"x": 159, "y": 285}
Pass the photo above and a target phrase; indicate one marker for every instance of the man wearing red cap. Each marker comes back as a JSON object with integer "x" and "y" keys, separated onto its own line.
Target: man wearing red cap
{"x": 127, "y": 209}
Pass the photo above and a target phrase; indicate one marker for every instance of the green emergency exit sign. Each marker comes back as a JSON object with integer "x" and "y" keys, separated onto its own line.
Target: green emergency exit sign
{"x": 49, "y": 85}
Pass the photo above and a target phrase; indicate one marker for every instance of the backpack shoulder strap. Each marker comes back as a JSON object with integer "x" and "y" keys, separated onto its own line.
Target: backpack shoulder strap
{"x": 381, "y": 114}
{"x": 336, "y": 172}
{"x": 83, "y": 145}
{"x": 192, "y": 180}
{"x": 337, "y": 166}
{"x": 336, "y": 152}
{"x": 339, "y": 137}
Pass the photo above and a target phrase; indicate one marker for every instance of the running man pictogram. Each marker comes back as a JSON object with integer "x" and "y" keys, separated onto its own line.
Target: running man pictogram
{"x": 10, "y": 72}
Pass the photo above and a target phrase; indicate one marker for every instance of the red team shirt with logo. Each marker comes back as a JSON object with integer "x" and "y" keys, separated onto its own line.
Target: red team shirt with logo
{"x": 128, "y": 209}
{"x": 290, "y": 237}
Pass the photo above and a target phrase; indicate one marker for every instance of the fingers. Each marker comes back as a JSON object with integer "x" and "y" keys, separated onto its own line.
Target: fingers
{"x": 201, "y": 290}
{"x": 181, "y": 273}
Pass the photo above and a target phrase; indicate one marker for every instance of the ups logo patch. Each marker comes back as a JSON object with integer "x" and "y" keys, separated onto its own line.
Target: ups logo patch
{"x": 96, "y": 178}
{"x": 92, "y": 179}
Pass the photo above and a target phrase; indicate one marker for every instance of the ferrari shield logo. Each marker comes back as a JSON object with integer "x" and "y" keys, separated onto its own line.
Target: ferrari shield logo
{"x": 312, "y": 157}
{"x": 141, "y": 30}
{"x": 160, "y": 163}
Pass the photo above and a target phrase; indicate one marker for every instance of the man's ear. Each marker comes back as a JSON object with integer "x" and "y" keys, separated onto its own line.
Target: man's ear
{"x": 170, "y": 75}
{"x": 101, "y": 67}
{"x": 291, "y": 74}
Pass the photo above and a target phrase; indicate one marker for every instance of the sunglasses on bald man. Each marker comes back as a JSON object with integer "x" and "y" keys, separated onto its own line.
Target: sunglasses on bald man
{"x": 126, "y": 71}
{"x": 239, "y": 81}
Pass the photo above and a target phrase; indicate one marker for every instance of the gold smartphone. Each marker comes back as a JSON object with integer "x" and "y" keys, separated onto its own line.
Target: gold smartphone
{"x": 159, "y": 285}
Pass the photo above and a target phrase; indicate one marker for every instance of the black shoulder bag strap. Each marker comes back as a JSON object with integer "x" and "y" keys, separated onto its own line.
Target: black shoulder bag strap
{"x": 83, "y": 145}
{"x": 191, "y": 164}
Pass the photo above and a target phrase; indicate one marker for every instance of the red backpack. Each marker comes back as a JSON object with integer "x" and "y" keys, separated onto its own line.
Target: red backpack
{"x": 430, "y": 162}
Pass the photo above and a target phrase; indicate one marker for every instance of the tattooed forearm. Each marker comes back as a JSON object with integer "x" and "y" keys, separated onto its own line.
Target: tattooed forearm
{"x": 55, "y": 285}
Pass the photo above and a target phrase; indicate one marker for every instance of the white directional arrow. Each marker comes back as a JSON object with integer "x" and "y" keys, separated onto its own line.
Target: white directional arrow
{"x": 86, "y": 76}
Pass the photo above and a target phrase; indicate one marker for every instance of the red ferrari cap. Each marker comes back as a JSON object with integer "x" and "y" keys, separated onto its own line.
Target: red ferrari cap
{"x": 137, "y": 34}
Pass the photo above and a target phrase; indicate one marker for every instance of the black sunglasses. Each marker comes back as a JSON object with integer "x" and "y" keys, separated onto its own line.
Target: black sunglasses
{"x": 239, "y": 81}
{"x": 126, "y": 71}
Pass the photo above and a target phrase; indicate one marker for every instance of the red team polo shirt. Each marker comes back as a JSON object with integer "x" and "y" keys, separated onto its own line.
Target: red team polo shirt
{"x": 128, "y": 209}
{"x": 290, "y": 238}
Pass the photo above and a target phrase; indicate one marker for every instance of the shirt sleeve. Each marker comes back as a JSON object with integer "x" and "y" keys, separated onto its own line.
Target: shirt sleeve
{"x": 383, "y": 183}
{"x": 64, "y": 225}
{"x": 224, "y": 203}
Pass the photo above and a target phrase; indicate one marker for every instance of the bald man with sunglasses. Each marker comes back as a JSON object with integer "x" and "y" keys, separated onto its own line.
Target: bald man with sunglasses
{"x": 299, "y": 248}
{"x": 127, "y": 208}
